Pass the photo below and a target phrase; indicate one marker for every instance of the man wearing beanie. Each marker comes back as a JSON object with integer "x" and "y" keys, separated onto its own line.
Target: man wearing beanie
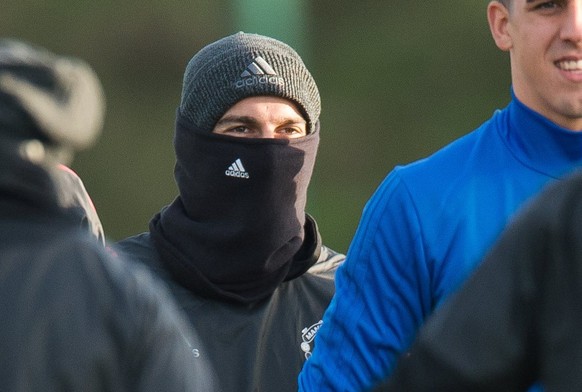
{"x": 71, "y": 317}
{"x": 241, "y": 256}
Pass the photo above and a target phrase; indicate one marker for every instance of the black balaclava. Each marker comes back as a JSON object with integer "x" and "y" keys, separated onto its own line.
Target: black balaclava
{"x": 238, "y": 228}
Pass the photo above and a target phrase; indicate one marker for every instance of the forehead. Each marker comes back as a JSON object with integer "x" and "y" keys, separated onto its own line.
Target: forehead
{"x": 258, "y": 103}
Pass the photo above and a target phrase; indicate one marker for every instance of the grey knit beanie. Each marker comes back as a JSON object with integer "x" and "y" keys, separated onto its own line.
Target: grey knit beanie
{"x": 244, "y": 65}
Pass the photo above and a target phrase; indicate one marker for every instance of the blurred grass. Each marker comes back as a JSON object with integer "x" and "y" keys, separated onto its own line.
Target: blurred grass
{"x": 398, "y": 80}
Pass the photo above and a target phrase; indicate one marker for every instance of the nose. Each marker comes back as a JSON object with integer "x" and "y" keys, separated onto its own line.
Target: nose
{"x": 267, "y": 132}
{"x": 271, "y": 132}
{"x": 572, "y": 27}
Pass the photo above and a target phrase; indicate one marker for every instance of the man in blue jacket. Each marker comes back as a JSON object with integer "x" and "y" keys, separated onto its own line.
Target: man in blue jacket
{"x": 429, "y": 223}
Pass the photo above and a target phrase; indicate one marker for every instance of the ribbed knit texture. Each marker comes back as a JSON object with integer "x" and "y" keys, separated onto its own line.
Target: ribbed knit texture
{"x": 215, "y": 79}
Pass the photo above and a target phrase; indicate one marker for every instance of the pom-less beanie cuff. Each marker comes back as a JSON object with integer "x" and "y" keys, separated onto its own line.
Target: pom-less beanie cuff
{"x": 245, "y": 65}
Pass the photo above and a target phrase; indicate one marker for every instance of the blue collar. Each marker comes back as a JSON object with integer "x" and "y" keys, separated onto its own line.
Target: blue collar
{"x": 538, "y": 142}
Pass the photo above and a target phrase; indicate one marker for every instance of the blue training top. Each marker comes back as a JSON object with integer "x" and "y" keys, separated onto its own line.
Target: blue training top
{"x": 424, "y": 230}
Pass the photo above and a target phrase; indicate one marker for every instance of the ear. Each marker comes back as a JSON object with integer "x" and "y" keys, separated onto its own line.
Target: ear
{"x": 498, "y": 17}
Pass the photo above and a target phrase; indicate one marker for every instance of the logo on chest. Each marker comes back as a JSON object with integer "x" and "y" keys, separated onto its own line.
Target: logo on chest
{"x": 307, "y": 336}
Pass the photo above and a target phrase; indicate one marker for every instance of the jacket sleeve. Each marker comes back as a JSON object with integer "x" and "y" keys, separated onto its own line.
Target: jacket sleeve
{"x": 517, "y": 319}
{"x": 382, "y": 297}
{"x": 483, "y": 338}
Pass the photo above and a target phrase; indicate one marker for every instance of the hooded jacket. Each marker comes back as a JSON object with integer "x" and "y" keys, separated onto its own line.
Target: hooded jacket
{"x": 73, "y": 318}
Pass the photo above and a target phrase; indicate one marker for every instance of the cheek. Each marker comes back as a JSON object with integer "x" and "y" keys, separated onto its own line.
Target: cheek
{"x": 532, "y": 53}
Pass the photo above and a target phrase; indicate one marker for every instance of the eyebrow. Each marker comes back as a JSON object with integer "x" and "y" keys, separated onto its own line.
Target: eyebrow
{"x": 247, "y": 120}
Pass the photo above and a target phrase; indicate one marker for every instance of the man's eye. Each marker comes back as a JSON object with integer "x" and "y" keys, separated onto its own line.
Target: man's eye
{"x": 291, "y": 131}
{"x": 547, "y": 5}
{"x": 240, "y": 129}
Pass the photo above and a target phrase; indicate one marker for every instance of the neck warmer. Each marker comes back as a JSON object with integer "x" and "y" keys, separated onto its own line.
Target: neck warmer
{"x": 238, "y": 228}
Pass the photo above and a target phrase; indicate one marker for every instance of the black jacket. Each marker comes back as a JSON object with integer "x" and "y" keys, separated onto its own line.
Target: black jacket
{"x": 252, "y": 347}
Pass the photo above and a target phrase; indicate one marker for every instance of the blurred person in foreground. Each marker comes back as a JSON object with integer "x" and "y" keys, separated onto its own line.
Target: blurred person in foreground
{"x": 236, "y": 247}
{"x": 430, "y": 223}
{"x": 71, "y": 317}
{"x": 518, "y": 318}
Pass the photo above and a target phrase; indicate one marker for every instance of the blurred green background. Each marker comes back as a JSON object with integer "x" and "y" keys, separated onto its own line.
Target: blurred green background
{"x": 398, "y": 80}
